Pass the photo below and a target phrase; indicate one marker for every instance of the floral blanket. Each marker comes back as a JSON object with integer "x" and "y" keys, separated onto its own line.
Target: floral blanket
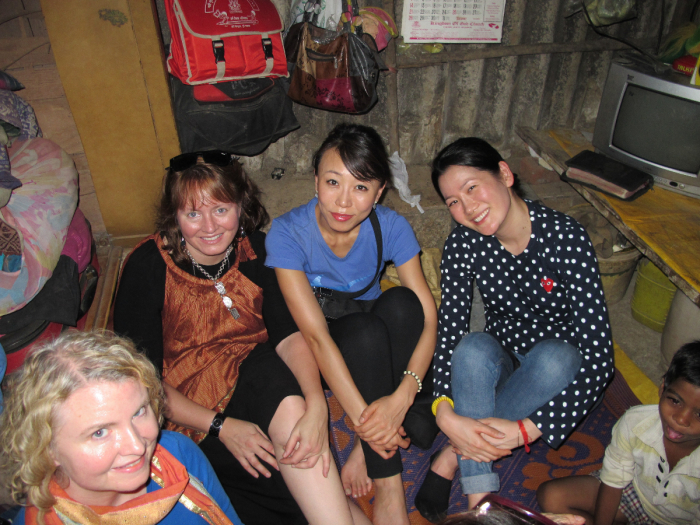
{"x": 41, "y": 210}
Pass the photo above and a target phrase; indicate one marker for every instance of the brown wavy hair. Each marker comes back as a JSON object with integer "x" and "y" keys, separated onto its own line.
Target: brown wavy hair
{"x": 49, "y": 375}
{"x": 225, "y": 184}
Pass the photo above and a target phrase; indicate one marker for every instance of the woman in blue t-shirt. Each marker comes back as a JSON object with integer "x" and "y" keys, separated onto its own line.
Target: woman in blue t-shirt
{"x": 373, "y": 349}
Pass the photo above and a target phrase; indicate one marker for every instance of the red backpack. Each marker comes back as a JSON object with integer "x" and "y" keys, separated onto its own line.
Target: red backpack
{"x": 222, "y": 40}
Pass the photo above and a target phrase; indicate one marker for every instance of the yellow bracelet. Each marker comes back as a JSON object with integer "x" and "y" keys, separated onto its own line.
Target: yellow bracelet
{"x": 439, "y": 400}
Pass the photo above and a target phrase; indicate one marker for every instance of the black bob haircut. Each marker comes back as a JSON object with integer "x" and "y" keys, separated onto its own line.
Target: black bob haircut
{"x": 470, "y": 152}
{"x": 362, "y": 151}
{"x": 685, "y": 365}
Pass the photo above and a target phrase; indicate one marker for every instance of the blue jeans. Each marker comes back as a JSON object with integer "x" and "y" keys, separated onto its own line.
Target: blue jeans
{"x": 485, "y": 384}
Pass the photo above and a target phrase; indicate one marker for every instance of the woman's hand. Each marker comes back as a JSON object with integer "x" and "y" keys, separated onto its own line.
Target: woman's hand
{"x": 388, "y": 450}
{"x": 513, "y": 437}
{"x": 249, "y": 445}
{"x": 380, "y": 421}
{"x": 467, "y": 437}
{"x": 511, "y": 432}
{"x": 308, "y": 441}
{"x": 566, "y": 519}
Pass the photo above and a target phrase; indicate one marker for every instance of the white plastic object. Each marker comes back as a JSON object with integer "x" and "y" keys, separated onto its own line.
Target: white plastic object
{"x": 399, "y": 176}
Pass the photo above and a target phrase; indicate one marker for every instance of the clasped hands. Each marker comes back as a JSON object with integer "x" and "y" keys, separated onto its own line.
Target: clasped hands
{"x": 380, "y": 424}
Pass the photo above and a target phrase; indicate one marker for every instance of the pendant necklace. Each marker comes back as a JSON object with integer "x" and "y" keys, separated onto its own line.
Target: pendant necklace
{"x": 220, "y": 288}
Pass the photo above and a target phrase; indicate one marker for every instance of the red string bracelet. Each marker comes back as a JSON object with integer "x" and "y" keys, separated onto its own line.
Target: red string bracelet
{"x": 525, "y": 436}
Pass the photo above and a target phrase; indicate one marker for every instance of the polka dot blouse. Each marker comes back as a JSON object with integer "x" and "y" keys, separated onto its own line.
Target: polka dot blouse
{"x": 552, "y": 290}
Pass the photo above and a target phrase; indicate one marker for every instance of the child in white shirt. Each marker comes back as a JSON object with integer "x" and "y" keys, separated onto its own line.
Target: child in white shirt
{"x": 651, "y": 470}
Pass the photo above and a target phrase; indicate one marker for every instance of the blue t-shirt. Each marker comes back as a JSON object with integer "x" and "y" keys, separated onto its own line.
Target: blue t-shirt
{"x": 190, "y": 455}
{"x": 295, "y": 242}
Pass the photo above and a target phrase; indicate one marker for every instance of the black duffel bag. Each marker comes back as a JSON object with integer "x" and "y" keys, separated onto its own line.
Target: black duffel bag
{"x": 256, "y": 113}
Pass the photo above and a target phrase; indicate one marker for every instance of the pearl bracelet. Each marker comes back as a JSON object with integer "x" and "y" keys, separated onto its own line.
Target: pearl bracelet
{"x": 415, "y": 376}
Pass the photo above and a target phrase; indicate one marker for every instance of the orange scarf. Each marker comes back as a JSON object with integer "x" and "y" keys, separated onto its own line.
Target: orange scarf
{"x": 176, "y": 485}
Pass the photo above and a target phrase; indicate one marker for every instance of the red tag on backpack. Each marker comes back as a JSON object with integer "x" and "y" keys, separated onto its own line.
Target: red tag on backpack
{"x": 223, "y": 40}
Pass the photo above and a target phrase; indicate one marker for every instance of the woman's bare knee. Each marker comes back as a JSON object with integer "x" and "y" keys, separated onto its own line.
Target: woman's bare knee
{"x": 286, "y": 416}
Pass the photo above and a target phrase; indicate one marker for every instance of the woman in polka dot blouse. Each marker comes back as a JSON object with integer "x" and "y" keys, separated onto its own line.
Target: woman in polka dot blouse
{"x": 545, "y": 355}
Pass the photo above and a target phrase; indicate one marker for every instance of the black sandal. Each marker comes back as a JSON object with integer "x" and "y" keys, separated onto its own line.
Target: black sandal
{"x": 433, "y": 497}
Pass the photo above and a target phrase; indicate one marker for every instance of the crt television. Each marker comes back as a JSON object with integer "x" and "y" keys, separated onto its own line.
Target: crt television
{"x": 649, "y": 118}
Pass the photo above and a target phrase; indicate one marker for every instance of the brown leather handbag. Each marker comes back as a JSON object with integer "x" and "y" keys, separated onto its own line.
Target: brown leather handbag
{"x": 332, "y": 70}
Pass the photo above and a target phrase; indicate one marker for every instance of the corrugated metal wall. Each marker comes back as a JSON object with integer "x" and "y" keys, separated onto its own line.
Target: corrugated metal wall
{"x": 489, "y": 97}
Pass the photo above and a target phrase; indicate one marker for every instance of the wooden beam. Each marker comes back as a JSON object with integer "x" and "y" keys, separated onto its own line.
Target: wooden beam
{"x": 463, "y": 54}
{"x": 392, "y": 87}
{"x": 18, "y": 14}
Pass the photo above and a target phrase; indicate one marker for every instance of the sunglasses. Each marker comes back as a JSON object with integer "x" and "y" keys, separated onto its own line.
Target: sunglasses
{"x": 187, "y": 160}
{"x": 516, "y": 510}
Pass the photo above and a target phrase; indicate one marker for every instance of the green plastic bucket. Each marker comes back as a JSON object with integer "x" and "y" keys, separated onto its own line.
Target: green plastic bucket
{"x": 653, "y": 294}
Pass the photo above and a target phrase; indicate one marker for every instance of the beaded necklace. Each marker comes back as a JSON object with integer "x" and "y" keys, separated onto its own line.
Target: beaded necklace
{"x": 220, "y": 288}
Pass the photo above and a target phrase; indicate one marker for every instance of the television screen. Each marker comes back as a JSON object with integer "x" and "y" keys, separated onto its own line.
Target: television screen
{"x": 675, "y": 123}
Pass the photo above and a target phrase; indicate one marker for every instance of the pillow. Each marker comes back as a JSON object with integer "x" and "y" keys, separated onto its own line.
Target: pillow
{"x": 9, "y": 82}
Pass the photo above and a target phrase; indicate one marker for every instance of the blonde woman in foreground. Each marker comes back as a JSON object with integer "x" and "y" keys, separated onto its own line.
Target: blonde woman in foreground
{"x": 80, "y": 441}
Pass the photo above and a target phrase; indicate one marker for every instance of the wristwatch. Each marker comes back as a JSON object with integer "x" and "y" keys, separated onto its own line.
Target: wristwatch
{"x": 216, "y": 425}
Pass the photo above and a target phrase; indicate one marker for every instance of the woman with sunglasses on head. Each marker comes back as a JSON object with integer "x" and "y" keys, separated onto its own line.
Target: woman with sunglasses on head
{"x": 375, "y": 349}
{"x": 545, "y": 355}
{"x": 238, "y": 376}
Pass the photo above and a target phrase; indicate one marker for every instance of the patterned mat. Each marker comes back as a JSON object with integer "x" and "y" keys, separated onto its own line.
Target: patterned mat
{"x": 521, "y": 473}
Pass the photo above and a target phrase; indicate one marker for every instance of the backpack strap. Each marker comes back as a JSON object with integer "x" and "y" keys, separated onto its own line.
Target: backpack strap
{"x": 220, "y": 58}
{"x": 267, "y": 49}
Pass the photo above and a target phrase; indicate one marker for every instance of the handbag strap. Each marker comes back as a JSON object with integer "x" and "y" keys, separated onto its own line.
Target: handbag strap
{"x": 328, "y": 292}
{"x": 350, "y": 13}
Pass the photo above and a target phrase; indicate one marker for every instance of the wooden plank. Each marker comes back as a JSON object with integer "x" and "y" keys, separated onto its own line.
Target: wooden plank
{"x": 605, "y": 207}
{"x": 98, "y": 315}
{"x": 111, "y": 276}
{"x": 91, "y": 209}
{"x": 94, "y": 307}
{"x": 545, "y": 146}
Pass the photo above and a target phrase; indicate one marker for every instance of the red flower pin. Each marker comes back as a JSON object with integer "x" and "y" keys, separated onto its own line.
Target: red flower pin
{"x": 547, "y": 284}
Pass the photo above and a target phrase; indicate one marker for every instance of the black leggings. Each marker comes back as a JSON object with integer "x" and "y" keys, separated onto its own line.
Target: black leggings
{"x": 376, "y": 346}
{"x": 264, "y": 381}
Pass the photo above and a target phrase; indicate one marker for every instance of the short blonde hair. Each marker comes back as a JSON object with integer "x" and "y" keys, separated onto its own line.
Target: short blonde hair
{"x": 50, "y": 374}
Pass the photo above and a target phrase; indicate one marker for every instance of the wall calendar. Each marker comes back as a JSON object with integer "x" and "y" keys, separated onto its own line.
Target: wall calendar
{"x": 452, "y": 21}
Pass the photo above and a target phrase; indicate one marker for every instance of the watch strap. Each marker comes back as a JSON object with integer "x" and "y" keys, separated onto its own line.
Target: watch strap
{"x": 216, "y": 425}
